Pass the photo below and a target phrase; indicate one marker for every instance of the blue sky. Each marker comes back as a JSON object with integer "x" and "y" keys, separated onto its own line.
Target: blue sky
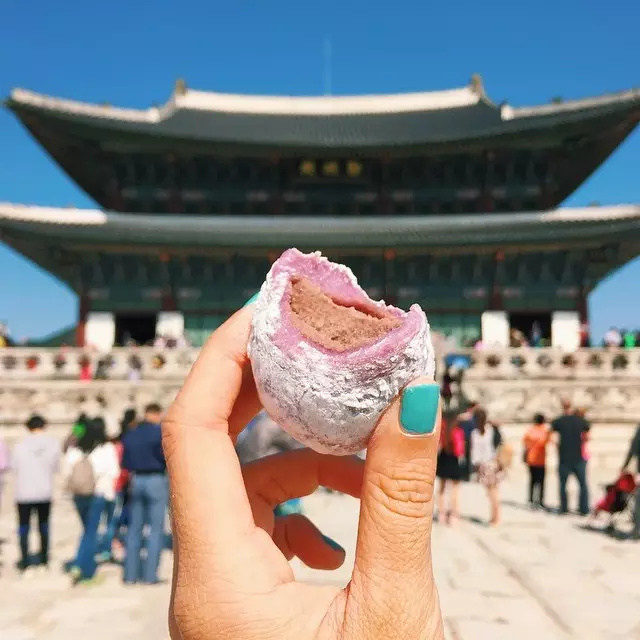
{"x": 130, "y": 54}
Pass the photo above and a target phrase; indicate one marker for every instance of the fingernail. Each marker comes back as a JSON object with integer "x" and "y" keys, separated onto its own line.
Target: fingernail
{"x": 253, "y": 298}
{"x": 332, "y": 543}
{"x": 420, "y": 408}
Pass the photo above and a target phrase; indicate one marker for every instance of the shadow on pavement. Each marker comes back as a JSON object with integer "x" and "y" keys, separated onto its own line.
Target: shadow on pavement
{"x": 609, "y": 531}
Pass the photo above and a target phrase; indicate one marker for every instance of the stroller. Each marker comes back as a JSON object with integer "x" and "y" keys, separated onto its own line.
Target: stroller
{"x": 617, "y": 499}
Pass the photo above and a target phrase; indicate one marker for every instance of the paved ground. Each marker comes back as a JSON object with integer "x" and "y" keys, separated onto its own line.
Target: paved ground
{"x": 538, "y": 576}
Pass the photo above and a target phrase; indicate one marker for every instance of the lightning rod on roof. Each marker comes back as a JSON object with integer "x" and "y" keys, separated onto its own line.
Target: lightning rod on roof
{"x": 327, "y": 55}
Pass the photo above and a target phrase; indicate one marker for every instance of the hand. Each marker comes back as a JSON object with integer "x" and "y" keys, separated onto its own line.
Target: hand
{"x": 232, "y": 579}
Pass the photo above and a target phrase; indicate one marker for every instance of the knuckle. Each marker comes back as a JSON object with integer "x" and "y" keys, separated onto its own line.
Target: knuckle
{"x": 405, "y": 489}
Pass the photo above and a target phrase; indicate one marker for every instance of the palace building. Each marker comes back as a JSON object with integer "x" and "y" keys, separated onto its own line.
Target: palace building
{"x": 442, "y": 198}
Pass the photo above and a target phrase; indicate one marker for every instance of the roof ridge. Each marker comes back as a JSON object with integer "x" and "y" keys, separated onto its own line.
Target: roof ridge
{"x": 260, "y": 104}
{"x": 627, "y": 95}
{"x": 41, "y": 100}
{"x": 328, "y": 105}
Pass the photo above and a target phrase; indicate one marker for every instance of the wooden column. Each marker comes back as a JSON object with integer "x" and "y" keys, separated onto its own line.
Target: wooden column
{"x": 389, "y": 292}
{"x": 168, "y": 295}
{"x": 496, "y": 302}
{"x": 583, "y": 307}
{"x": 83, "y": 312}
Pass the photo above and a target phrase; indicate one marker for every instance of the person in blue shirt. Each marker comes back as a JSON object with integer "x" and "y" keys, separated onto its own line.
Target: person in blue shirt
{"x": 148, "y": 496}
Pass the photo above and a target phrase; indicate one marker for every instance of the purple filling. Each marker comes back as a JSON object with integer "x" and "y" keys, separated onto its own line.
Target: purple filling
{"x": 337, "y": 284}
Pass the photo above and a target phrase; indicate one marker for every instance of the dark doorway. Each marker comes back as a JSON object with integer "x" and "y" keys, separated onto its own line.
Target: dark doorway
{"x": 525, "y": 321}
{"x": 139, "y": 328}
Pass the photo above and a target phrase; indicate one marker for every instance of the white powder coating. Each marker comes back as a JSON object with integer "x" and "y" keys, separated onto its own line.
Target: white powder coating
{"x": 329, "y": 404}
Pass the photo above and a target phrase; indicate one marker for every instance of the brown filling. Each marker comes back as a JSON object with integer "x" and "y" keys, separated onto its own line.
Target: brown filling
{"x": 331, "y": 324}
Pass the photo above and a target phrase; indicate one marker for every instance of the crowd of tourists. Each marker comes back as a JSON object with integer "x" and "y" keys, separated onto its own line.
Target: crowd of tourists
{"x": 473, "y": 448}
{"x": 114, "y": 473}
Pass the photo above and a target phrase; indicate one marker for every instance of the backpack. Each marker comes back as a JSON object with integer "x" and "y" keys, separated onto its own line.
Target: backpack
{"x": 82, "y": 480}
{"x": 504, "y": 455}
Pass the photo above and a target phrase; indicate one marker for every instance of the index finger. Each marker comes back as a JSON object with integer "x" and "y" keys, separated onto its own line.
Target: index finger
{"x": 204, "y": 471}
{"x": 219, "y": 391}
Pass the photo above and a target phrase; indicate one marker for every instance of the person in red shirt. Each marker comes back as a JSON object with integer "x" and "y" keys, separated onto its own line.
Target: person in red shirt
{"x": 535, "y": 444}
{"x": 450, "y": 463}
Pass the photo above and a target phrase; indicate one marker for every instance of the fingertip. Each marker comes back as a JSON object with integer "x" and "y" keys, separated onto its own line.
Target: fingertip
{"x": 335, "y": 558}
{"x": 414, "y": 414}
{"x": 419, "y": 405}
{"x": 333, "y": 545}
{"x": 297, "y": 535}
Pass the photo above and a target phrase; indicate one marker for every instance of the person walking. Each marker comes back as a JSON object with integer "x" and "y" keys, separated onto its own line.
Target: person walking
{"x": 148, "y": 496}
{"x": 535, "y": 444}
{"x": 634, "y": 452}
{"x": 34, "y": 461}
{"x": 90, "y": 469}
{"x": 485, "y": 440}
{"x": 111, "y": 509}
{"x": 449, "y": 466}
{"x": 116, "y": 516}
{"x": 571, "y": 429}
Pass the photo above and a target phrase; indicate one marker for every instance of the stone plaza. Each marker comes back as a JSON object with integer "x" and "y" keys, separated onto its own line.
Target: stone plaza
{"x": 537, "y": 575}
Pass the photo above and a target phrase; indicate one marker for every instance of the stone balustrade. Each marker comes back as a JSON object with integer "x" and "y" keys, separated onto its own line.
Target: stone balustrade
{"x": 512, "y": 384}
{"x": 526, "y": 363}
{"x": 146, "y": 363}
{"x": 150, "y": 363}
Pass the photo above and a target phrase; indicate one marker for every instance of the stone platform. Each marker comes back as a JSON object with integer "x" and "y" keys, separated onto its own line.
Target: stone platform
{"x": 536, "y": 576}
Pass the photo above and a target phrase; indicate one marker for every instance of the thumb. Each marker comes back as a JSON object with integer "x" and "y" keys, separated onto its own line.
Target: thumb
{"x": 393, "y": 554}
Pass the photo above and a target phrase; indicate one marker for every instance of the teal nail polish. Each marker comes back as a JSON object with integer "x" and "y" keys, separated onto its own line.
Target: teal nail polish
{"x": 253, "y": 298}
{"x": 332, "y": 543}
{"x": 420, "y": 409}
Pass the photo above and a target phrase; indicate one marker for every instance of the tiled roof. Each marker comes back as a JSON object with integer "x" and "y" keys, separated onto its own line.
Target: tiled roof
{"x": 325, "y": 121}
{"x": 95, "y": 226}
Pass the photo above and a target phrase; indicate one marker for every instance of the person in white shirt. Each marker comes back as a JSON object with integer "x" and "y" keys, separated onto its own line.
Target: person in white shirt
{"x": 90, "y": 468}
{"x": 485, "y": 440}
{"x": 34, "y": 462}
{"x": 612, "y": 338}
{"x": 112, "y": 510}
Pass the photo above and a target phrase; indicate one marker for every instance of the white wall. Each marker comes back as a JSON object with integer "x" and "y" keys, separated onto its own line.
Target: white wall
{"x": 170, "y": 324}
{"x": 100, "y": 331}
{"x": 495, "y": 329}
{"x": 565, "y": 330}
